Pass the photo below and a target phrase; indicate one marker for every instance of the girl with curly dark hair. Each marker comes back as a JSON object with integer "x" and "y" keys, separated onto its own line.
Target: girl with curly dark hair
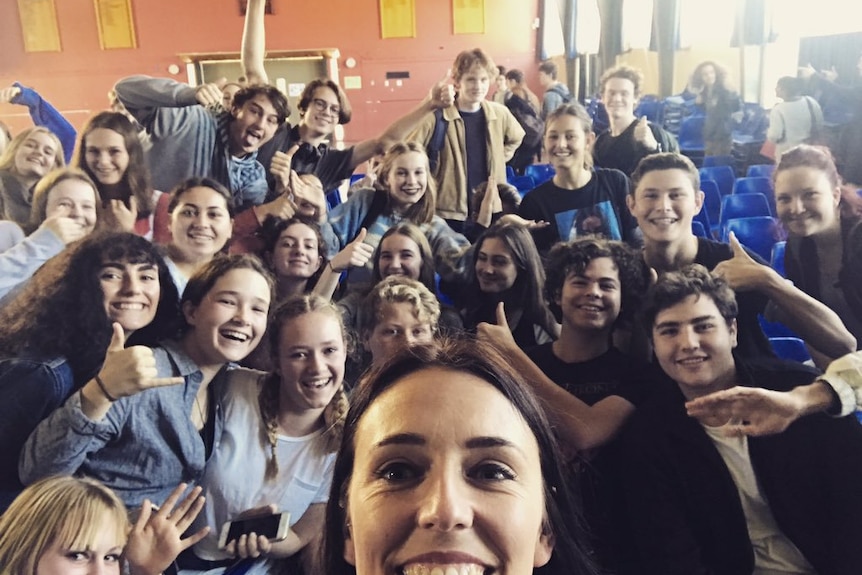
{"x": 56, "y": 330}
{"x": 150, "y": 417}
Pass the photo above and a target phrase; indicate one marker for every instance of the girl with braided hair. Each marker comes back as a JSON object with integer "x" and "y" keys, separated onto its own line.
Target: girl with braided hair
{"x": 278, "y": 446}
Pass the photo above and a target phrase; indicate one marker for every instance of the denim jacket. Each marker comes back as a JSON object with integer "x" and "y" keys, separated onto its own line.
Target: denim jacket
{"x": 142, "y": 448}
{"x": 30, "y": 389}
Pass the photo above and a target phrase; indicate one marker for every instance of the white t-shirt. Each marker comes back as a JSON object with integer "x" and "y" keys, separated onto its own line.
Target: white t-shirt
{"x": 234, "y": 481}
{"x": 774, "y": 553}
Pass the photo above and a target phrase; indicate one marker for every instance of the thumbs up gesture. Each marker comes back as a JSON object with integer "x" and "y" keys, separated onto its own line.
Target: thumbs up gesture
{"x": 210, "y": 95}
{"x": 741, "y": 271}
{"x": 126, "y": 371}
{"x": 499, "y": 335}
{"x": 355, "y": 254}
{"x": 644, "y": 135}
{"x": 443, "y": 92}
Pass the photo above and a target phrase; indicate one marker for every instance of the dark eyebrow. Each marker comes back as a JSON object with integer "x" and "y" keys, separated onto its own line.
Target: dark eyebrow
{"x": 488, "y": 441}
{"x": 698, "y": 319}
{"x": 402, "y": 439}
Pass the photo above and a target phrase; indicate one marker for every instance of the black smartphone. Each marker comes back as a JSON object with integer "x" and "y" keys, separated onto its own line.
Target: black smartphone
{"x": 274, "y": 527}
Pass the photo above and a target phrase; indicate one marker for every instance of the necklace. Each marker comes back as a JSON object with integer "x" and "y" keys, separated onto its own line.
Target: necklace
{"x": 200, "y": 411}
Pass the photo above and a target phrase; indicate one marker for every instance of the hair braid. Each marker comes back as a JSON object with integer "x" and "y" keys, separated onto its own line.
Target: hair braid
{"x": 333, "y": 418}
{"x": 268, "y": 402}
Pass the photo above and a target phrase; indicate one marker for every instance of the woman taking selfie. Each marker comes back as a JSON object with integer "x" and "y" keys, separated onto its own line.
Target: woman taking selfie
{"x": 445, "y": 446}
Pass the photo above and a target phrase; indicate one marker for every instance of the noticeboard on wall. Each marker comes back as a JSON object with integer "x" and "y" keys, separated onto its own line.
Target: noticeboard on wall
{"x": 116, "y": 24}
{"x": 397, "y": 19}
{"x": 39, "y": 25}
{"x": 468, "y": 16}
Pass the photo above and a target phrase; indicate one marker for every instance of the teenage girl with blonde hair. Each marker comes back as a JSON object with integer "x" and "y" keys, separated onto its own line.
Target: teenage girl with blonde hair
{"x": 278, "y": 446}
{"x": 66, "y": 524}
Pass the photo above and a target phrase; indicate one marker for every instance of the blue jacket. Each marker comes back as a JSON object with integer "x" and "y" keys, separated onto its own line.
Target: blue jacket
{"x": 47, "y": 116}
{"x": 142, "y": 448}
{"x": 30, "y": 390}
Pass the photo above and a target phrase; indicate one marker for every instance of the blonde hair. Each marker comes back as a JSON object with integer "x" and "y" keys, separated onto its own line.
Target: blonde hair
{"x": 39, "y": 208}
{"x": 335, "y": 411}
{"x": 422, "y": 212}
{"x": 67, "y": 511}
{"x": 398, "y": 289}
{"x": 7, "y": 158}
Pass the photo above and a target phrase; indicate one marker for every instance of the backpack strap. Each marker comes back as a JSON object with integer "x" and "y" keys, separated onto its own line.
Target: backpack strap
{"x": 437, "y": 137}
{"x": 378, "y": 204}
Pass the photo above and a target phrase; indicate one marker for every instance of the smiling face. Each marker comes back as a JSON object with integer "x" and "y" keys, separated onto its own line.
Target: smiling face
{"x": 664, "y": 204}
{"x": 455, "y": 492}
{"x": 693, "y": 344}
{"x": 619, "y": 98}
{"x": 567, "y": 143}
{"x": 472, "y": 87}
{"x": 400, "y": 256}
{"x": 106, "y": 156}
{"x": 296, "y": 252}
{"x": 75, "y": 199}
{"x": 495, "y": 266}
{"x": 100, "y": 557}
{"x": 131, "y": 293}
{"x": 805, "y": 201}
{"x": 35, "y": 156}
{"x": 591, "y": 301}
{"x": 398, "y": 326}
{"x": 321, "y": 116}
{"x": 311, "y": 356}
{"x": 200, "y": 224}
{"x": 407, "y": 179}
{"x": 254, "y": 124}
{"x": 230, "y": 320}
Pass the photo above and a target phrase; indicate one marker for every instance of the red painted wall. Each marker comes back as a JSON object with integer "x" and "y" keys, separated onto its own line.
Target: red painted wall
{"x": 77, "y": 79}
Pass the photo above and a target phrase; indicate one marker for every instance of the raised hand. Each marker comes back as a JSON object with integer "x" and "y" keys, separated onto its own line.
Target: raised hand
{"x": 66, "y": 228}
{"x": 741, "y": 271}
{"x": 355, "y": 254}
{"x": 210, "y": 95}
{"x": 517, "y": 220}
{"x": 121, "y": 218}
{"x": 805, "y": 72}
{"x": 308, "y": 196}
{"x": 8, "y": 93}
{"x": 747, "y": 410}
{"x": 644, "y": 135}
{"x": 499, "y": 335}
{"x": 491, "y": 203}
{"x": 280, "y": 167}
{"x": 443, "y": 92}
{"x": 128, "y": 371}
{"x": 157, "y": 538}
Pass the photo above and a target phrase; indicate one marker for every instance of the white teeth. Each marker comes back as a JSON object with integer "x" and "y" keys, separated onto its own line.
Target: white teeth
{"x": 317, "y": 383}
{"x": 433, "y": 569}
{"x": 129, "y": 306}
{"x": 234, "y": 335}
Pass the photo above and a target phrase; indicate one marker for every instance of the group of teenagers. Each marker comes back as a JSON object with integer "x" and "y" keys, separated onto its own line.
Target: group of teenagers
{"x": 434, "y": 376}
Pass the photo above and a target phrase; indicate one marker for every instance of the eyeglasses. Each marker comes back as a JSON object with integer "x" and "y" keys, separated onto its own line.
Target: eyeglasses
{"x": 323, "y": 105}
